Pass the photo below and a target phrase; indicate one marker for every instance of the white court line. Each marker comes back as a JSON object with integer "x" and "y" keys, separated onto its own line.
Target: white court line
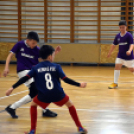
{"x": 82, "y": 80}
{"x": 13, "y": 94}
{"x": 100, "y": 76}
{"x": 106, "y": 82}
{"x": 89, "y": 76}
{"x": 88, "y": 110}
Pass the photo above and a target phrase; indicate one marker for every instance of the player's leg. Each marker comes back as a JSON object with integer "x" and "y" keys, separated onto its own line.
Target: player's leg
{"x": 24, "y": 100}
{"x": 12, "y": 108}
{"x": 130, "y": 65}
{"x": 32, "y": 93}
{"x": 48, "y": 113}
{"x": 73, "y": 113}
{"x": 118, "y": 66}
{"x": 45, "y": 112}
{"x": 33, "y": 113}
{"x": 131, "y": 69}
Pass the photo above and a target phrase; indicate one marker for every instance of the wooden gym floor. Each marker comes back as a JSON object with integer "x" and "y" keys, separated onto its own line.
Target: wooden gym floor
{"x": 101, "y": 110}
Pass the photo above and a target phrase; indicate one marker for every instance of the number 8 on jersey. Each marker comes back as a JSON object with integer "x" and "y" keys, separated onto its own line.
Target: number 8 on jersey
{"x": 49, "y": 83}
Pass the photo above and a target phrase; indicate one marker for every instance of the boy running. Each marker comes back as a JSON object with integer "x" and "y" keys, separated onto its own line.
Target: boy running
{"x": 125, "y": 54}
{"x": 47, "y": 77}
{"x": 27, "y": 54}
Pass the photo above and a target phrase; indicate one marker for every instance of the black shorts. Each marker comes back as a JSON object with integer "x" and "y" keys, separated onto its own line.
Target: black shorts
{"x": 33, "y": 90}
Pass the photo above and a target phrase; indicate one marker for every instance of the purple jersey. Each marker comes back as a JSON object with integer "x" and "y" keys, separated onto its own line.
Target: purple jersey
{"x": 26, "y": 57}
{"x": 124, "y": 44}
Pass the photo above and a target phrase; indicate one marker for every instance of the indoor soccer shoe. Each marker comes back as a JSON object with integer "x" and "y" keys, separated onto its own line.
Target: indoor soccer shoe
{"x": 49, "y": 113}
{"x": 31, "y": 132}
{"x": 113, "y": 85}
{"x": 11, "y": 112}
{"x": 82, "y": 130}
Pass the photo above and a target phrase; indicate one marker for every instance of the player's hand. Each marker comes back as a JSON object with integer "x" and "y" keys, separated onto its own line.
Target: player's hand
{"x": 9, "y": 91}
{"x": 128, "y": 53}
{"x": 5, "y": 72}
{"x": 58, "y": 49}
{"x": 83, "y": 84}
{"x": 109, "y": 54}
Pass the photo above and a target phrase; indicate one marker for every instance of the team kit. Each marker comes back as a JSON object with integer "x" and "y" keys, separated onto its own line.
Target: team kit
{"x": 43, "y": 79}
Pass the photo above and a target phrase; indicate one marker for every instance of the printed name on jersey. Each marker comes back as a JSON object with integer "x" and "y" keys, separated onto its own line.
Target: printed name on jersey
{"x": 22, "y": 49}
{"x": 123, "y": 43}
{"x": 44, "y": 69}
{"x": 26, "y": 55}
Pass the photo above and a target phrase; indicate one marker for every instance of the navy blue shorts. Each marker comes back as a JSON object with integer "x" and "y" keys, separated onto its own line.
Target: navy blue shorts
{"x": 51, "y": 97}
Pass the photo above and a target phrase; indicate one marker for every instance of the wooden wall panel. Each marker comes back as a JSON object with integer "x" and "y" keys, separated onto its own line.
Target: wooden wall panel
{"x": 4, "y": 50}
{"x": 104, "y": 51}
{"x": 71, "y": 53}
{"x": 78, "y": 53}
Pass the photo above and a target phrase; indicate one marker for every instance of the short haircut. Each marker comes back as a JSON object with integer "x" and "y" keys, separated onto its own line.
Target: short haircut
{"x": 122, "y": 22}
{"x": 45, "y": 51}
{"x": 33, "y": 35}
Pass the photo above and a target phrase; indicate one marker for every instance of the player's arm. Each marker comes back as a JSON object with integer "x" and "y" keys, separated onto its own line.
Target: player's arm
{"x": 115, "y": 42}
{"x": 68, "y": 80}
{"x": 130, "y": 41}
{"x": 6, "y": 69}
{"x": 57, "y": 49}
{"x": 72, "y": 82}
{"x": 18, "y": 83}
{"x": 130, "y": 49}
{"x": 111, "y": 50}
{"x": 14, "y": 50}
{"x": 21, "y": 81}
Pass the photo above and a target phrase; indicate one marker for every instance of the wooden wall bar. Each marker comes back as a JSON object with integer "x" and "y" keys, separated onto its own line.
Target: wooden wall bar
{"x": 73, "y": 21}
{"x": 9, "y": 20}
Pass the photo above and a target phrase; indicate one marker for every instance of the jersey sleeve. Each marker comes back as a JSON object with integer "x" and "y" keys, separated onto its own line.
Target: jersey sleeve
{"x": 115, "y": 41}
{"x": 60, "y": 72}
{"x": 130, "y": 39}
{"x": 15, "y": 48}
{"x": 31, "y": 73}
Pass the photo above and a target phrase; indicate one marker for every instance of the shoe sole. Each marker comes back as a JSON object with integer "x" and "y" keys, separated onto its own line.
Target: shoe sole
{"x": 49, "y": 116}
{"x": 113, "y": 87}
{"x": 82, "y": 132}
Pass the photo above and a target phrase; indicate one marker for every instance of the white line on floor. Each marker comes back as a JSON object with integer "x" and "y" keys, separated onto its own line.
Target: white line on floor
{"x": 89, "y": 110}
{"x": 13, "y": 94}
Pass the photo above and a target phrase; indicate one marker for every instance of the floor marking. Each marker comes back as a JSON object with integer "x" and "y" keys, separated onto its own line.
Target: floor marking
{"x": 13, "y": 94}
{"x": 88, "y": 110}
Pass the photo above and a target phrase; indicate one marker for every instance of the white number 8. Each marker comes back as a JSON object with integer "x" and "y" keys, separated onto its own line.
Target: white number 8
{"x": 49, "y": 83}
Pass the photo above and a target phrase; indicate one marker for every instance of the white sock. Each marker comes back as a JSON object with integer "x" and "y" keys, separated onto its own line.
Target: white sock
{"x": 116, "y": 76}
{"x": 22, "y": 101}
{"x": 44, "y": 110}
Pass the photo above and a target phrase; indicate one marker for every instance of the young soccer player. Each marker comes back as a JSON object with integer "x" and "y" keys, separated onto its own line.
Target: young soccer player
{"x": 125, "y": 54}
{"x": 27, "y": 54}
{"x": 47, "y": 77}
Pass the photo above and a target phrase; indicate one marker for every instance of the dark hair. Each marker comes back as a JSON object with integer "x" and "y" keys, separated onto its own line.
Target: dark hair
{"x": 33, "y": 35}
{"x": 45, "y": 51}
{"x": 122, "y": 22}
